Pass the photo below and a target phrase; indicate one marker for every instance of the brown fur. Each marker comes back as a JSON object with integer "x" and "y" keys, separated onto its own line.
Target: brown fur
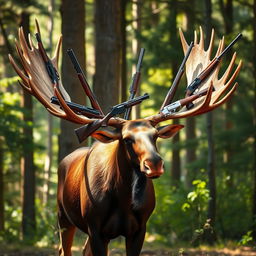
{"x": 105, "y": 190}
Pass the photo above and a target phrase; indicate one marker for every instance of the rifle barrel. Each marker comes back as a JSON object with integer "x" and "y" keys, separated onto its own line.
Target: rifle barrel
{"x": 142, "y": 52}
{"x": 80, "y": 109}
{"x": 170, "y": 95}
{"x": 230, "y": 45}
{"x": 83, "y": 81}
{"x": 135, "y": 82}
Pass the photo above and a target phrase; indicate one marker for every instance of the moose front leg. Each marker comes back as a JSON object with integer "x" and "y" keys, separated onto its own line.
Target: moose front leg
{"x": 96, "y": 244}
{"x": 134, "y": 243}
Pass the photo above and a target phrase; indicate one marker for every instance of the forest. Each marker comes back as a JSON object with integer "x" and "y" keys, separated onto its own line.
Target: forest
{"x": 207, "y": 195}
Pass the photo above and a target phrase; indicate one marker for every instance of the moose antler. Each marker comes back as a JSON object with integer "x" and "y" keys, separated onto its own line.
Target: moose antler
{"x": 198, "y": 61}
{"x": 38, "y": 82}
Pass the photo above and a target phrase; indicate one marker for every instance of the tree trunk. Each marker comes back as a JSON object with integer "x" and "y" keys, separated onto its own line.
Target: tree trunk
{"x": 107, "y": 52}
{"x": 28, "y": 168}
{"x": 48, "y": 160}
{"x": 190, "y": 121}
{"x": 254, "y": 122}
{"x": 176, "y": 163}
{"x": 210, "y": 237}
{"x": 227, "y": 14}
{"x": 73, "y": 31}
{"x": 123, "y": 51}
{"x": 136, "y": 45}
{"x": 1, "y": 185}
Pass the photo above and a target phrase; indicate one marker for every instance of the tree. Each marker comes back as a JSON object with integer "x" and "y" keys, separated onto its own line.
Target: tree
{"x": 254, "y": 123}
{"x": 190, "y": 121}
{"x": 49, "y": 146}
{"x": 209, "y": 122}
{"x": 123, "y": 51}
{"x": 107, "y": 52}
{"x": 1, "y": 185}
{"x": 73, "y": 31}
{"x": 176, "y": 163}
{"x": 27, "y": 163}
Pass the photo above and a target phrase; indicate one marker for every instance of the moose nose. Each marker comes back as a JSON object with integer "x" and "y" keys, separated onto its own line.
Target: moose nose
{"x": 153, "y": 168}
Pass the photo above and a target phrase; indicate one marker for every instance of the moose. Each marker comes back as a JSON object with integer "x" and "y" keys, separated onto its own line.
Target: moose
{"x": 106, "y": 190}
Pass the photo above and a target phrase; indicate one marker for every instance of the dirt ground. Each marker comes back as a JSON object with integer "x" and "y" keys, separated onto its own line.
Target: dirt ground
{"x": 242, "y": 251}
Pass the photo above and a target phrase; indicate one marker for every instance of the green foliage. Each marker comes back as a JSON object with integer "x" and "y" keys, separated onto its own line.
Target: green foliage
{"x": 247, "y": 239}
{"x": 181, "y": 211}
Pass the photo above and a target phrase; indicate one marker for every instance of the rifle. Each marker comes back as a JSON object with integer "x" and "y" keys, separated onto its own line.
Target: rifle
{"x": 79, "y": 109}
{"x": 83, "y": 81}
{"x": 170, "y": 109}
{"x": 208, "y": 70}
{"x": 135, "y": 82}
{"x": 83, "y": 132}
{"x": 51, "y": 70}
{"x": 177, "y": 78}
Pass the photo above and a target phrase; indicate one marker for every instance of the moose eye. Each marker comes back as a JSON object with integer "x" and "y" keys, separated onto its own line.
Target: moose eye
{"x": 128, "y": 140}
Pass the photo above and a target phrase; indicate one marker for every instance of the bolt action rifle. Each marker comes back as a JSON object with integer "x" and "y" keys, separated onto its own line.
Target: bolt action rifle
{"x": 83, "y": 132}
{"x": 171, "y": 92}
{"x": 135, "y": 82}
{"x": 173, "y": 107}
{"x": 51, "y": 70}
{"x": 79, "y": 109}
{"x": 83, "y": 81}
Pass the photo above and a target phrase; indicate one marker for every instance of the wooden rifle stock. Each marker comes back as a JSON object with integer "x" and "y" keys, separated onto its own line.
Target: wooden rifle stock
{"x": 135, "y": 82}
{"x": 84, "y": 131}
{"x": 172, "y": 91}
{"x": 171, "y": 108}
{"x": 83, "y": 81}
{"x": 208, "y": 71}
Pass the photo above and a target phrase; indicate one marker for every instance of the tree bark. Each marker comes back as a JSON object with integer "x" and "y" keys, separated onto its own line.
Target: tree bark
{"x": 73, "y": 31}
{"x": 211, "y": 157}
{"x": 107, "y": 52}
{"x": 176, "y": 163}
{"x": 28, "y": 167}
{"x": 136, "y": 45}
{"x": 48, "y": 160}
{"x": 190, "y": 121}
{"x": 254, "y": 122}
{"x": 2, "y": 220}
{"x": 123, "y": 51}
{"x": 227, "y": 14}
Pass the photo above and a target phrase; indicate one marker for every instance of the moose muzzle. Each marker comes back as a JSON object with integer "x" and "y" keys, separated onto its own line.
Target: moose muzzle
{"x": 153, "y": 167}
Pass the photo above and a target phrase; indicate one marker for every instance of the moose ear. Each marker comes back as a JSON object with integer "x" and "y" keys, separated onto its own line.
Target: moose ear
{"x": 106, "y": 136}
{"x": 168, "y": 131}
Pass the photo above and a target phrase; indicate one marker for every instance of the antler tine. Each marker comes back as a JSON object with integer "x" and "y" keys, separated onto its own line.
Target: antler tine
{"x": 224, "y": 88}
{"x": 56, "y": 55}
{"x": 201, "y": 42}
{"x": 24, "y": 78}
{"x": 228, "y": 70}
{"x": 226, "y": 97}
{"x": 183, "y": 41}
{"x": 211, "y": 44}
{"x": 31, "y": 43}
{"x": 37, "y": 27}
{"x": 195, "y": 37}
{"x": 220, "y": 47}
{"x": 28, "y": 89}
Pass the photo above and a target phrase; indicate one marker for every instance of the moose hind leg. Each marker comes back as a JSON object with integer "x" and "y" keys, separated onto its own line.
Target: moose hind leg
{"x": 66, "y": 233}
